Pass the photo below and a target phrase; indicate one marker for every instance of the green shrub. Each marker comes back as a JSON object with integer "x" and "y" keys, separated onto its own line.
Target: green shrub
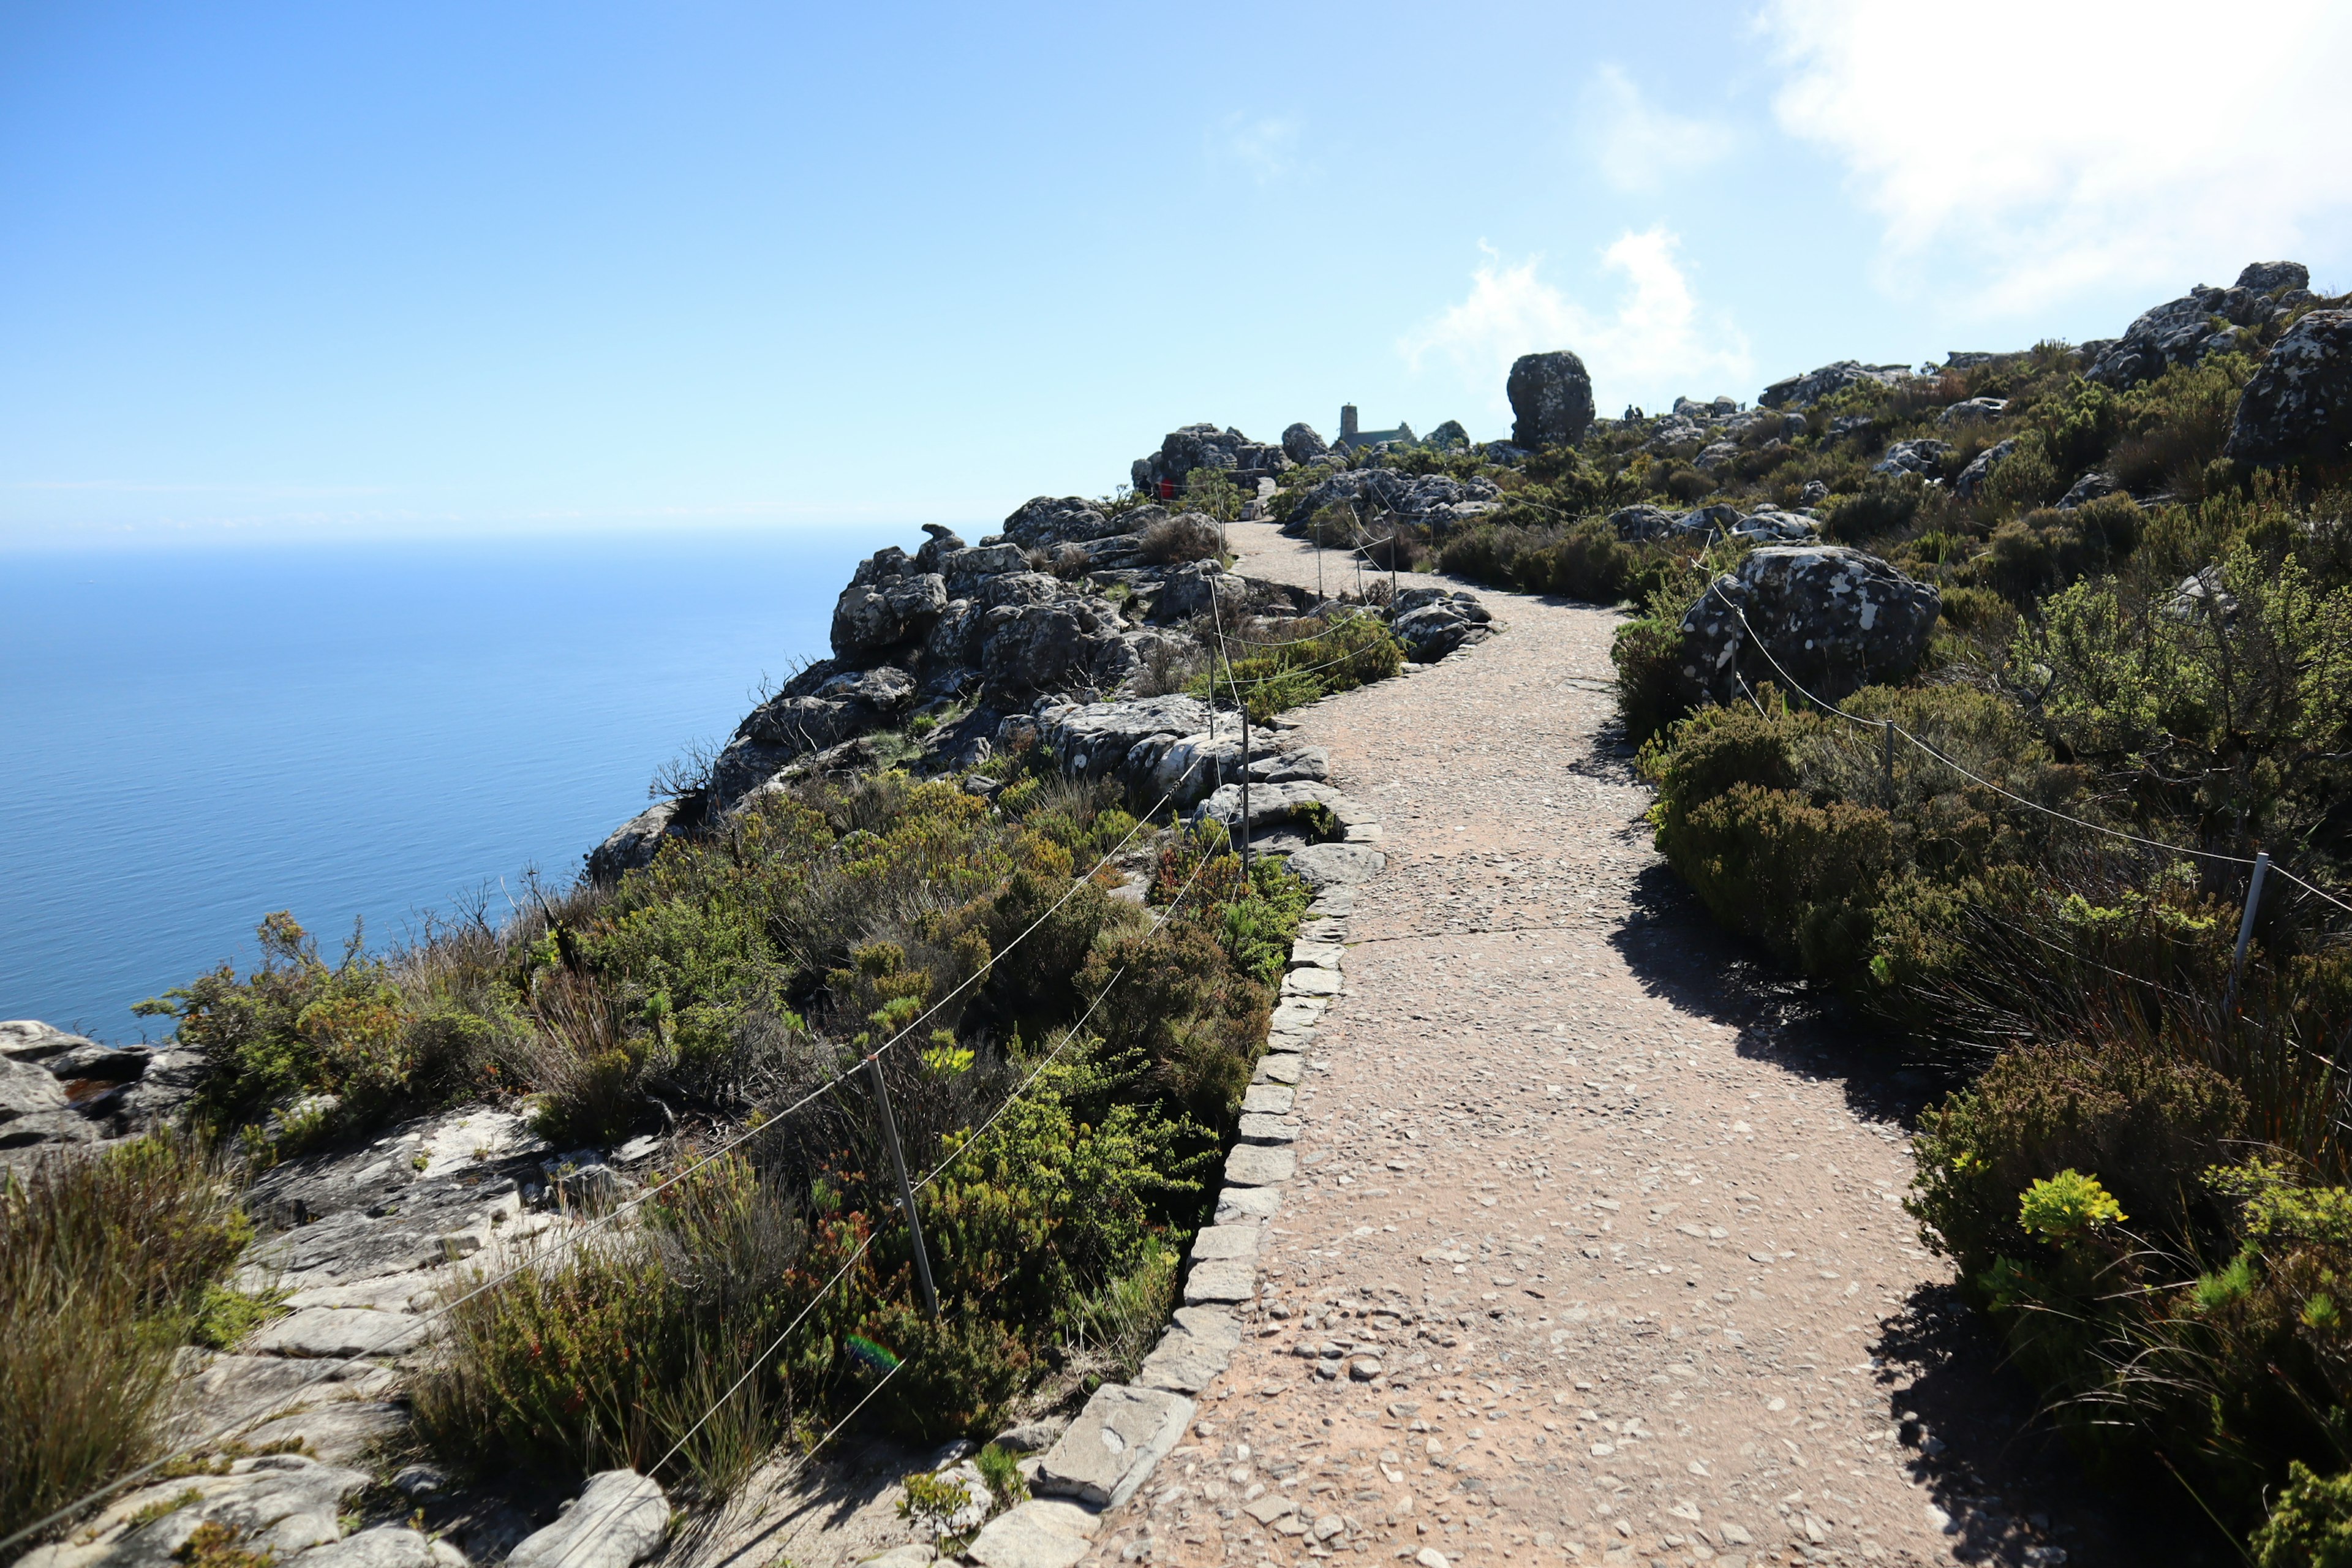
{"x": 1648, "y": 656}
{"x": 105, "y": 1265}
{"x": 1886, "y": 504}
{"x": 1309, "y": 664}
{"x": 2310, "y": 1525}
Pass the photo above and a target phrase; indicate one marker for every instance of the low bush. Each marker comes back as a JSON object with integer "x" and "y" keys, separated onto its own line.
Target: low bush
{"x": 1299, "y": 661}
{"x": 1187, "y": 536}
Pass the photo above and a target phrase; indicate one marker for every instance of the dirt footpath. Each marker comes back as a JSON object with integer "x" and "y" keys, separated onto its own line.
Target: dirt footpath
{"x": 1597, "y": 1253}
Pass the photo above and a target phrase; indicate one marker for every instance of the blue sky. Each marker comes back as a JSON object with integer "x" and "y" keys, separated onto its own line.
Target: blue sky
{"x": 317, "y": 271}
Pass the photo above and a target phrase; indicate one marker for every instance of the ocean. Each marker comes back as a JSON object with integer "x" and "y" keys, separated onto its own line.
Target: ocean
{"x": 378, "y": 732}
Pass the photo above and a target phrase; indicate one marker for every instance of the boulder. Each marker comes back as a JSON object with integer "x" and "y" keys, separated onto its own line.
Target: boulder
{"x": 888, "y": 603}
{"x": 386, "y": 1546}
{"x": 2275, "y": 277}
{"x": 1714, "y": 453}
{"x": 1433, "y": 622}
{"x": 1636, "y": 524}
{"x": 2186, "y": 331}
{"x": 1979, "y": 468}
{"x": 1069, "y": 644}
{"x": 1447, "y": 436}
{"x": 1834, "y": 619}
{"x": 1198, "y": 586}
{"x": 1044, "y": 521}
{"x": 844, "y": 704}
{"x": 1923, "y": 456}
{"x": 964, "y": 571}
{"x": 2089, "y": 487}
{"x": 617, "y": 1522}
{"x": 1975, "y": 411}
{"x": 1437, "y": 500}
{"x": 1096, "y": 740}
{"x": 1804, "y": 391}
{"x": 29, "y": 1040}
{"x": 1770, "y": 525}
{"x": 92, "y": 1063}
{"x": 1675, "y": 430}
{"x": 1301, "y": 445}
{"x": 1721, "y": 517}
{"x": 1552, "y": 399}
{"x": 942, "y": 542}
{"x": 1202, "y": 446}
{"x": 2298, "y": 405}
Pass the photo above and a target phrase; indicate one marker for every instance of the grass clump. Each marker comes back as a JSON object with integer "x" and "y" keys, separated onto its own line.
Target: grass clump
{"x": 1275, "y": 666}
{"x": 105, "y": 1265}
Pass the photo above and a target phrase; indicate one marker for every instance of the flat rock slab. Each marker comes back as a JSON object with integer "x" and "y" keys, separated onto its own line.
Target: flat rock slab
{"x": 1283, "y": 1067}
{"x": 1261, "y": 1129}
{"x": 1112, "y": 1446}
{"x": 1226, "y": 1241}
{"x": 1305, "y": 955}
{"x": 618, "y": 1521}
{"x": 1248, "y": 1205}
{"x": 1183, "y": 1365}
{"x": 1322, "y": 866}
{"x": 1254, "y": 1166}
{"x": 1311, "y": 982}
{"x": 338, "y": 1433}
{"x": 385, "y": 1547}
{"x": 1295, "y": 1014}
{"x": 339, "y": 1332}
{"x": 1333, "y": 903}
{"x": 1223, "y": 1279}
{"x": 1025, "y": 1537}
{"x": 281, "y": 1503}
{"x": 1268, "y": 1100}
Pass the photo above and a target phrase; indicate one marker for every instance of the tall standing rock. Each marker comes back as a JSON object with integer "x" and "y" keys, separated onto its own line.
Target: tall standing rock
{"x": 1552, "y": 399}
{"x": 2299, "y": 403}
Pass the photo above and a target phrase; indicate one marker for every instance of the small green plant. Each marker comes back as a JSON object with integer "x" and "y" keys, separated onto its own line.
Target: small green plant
{"x": 932, "y": 1501}
{"x": 1001, "y": 1469}
{"x": 217, "y": 1545}
{"x": 2065, "y": 1205}
{"x": 163, "y": 1508}
{"x": 225, "y": 1316}
{"x": 2223, "y": 1287}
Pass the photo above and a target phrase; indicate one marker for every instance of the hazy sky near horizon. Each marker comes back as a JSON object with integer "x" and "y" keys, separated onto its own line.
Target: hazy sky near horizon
{"x": 273, "y": 271}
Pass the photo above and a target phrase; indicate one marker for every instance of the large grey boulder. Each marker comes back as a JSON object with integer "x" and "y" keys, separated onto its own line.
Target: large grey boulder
{"x": 1044, "y": 521}
{"x": 964, "y": 571}
{"x": 888, "y": 601}
{"x": 1094, "y": 739}
{"x": 616, "y": 1522}
{"x": 1923, "y": 456}
{"x": 844, "y": 704}
{"x": 1552, "y": 399}
{"x": 1067, "y": 644}
{"x": 1202, "y": 446}
{"x": 1974, "y": 411}
{"x": 1301, "y": 444}
{"x": 1634, "y": 524}
{"x": 1834, "y": 619}
{"x": 1198, "y": 588}
{"x": 1770, "y": 525}
{"x": 2275, "y": 277}
{"x": 2185, "y": 331}
{"x": 1438, "y": 500}
{"x": 1804, "y": 391}
{"x": 2298, "y": 406}
{"x": 1980, "y": 467}
{"x": 1431, "y": 622}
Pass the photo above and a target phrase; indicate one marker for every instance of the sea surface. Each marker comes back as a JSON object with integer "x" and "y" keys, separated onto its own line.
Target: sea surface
{"x": 191, "y": 738}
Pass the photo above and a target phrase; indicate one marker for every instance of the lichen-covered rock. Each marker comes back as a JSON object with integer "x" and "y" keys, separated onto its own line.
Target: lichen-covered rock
{"x": 1438, "y": 500}
{"x": 1634, "y": 524}
{"x": 1433, "y": 622}
{"x": 1196, "y": 588}
{"x": 1975, "y": 410}
{"x": 1804, "y": 391}
{"x": 1834, "y": 619}
{"x": 1301, "y": 444}
{"x": 1095, "y": 740}
{"x": 1202, "y": 446}
{"x": 1770, "y": 525}
{"x": 2087, "y": 488}
{"x": 1980, "y": 467}
{"x": 888, "y": 603}
{"x": 1923, "y": 456}
{"x": 1552, "y": 399}
{"x": 2185, "y": 332}
{"x": 1064, "y": 645}
{"x": 963, "y": 571}
{"x": 2298, "y": 406}
{"x": 28, "y": 1088}
{"x": 634, "y": 843}
{"x": 1044, "y": 521}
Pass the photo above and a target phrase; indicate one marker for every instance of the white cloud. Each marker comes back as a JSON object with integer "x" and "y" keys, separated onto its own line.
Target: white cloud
{"x": 1656, "y": 344}
{"x": 1636, "y": 144}
{"x": 2018, "y": 150}
{"x": 1265, "y": 146}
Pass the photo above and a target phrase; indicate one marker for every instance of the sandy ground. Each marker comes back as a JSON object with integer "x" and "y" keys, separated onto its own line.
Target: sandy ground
{"x": 1613, "y": 1211}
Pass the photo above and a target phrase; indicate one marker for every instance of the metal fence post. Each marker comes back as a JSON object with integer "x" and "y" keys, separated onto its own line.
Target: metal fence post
{"x": 2246, "y": 929}
{"x": 906, "y": 1191}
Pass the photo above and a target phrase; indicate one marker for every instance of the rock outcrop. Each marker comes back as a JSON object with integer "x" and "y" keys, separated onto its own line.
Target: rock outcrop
{"x": 1301, "y": 445}
{"x": 1804, "y": 391}
{"x": 1202, "y": 446}
{"x": 1979, "y": 468}
{"x": 1435, "y": 501}
{"x": 1433, "y": 622}
{"x": 1552, "y": 399}
{"x": 2298, "y": 406}
{"x": 2200, "y": 323}
{"x": 59, "y": 1089}
{"x": 1830, "y": 618}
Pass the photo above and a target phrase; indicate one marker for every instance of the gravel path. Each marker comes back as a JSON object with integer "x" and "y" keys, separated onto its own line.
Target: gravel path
{"x": 1616, "y": 1214}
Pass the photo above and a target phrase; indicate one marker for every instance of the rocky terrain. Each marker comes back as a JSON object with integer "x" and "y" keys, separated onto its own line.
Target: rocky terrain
{"x": 1554, "y": 1225}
